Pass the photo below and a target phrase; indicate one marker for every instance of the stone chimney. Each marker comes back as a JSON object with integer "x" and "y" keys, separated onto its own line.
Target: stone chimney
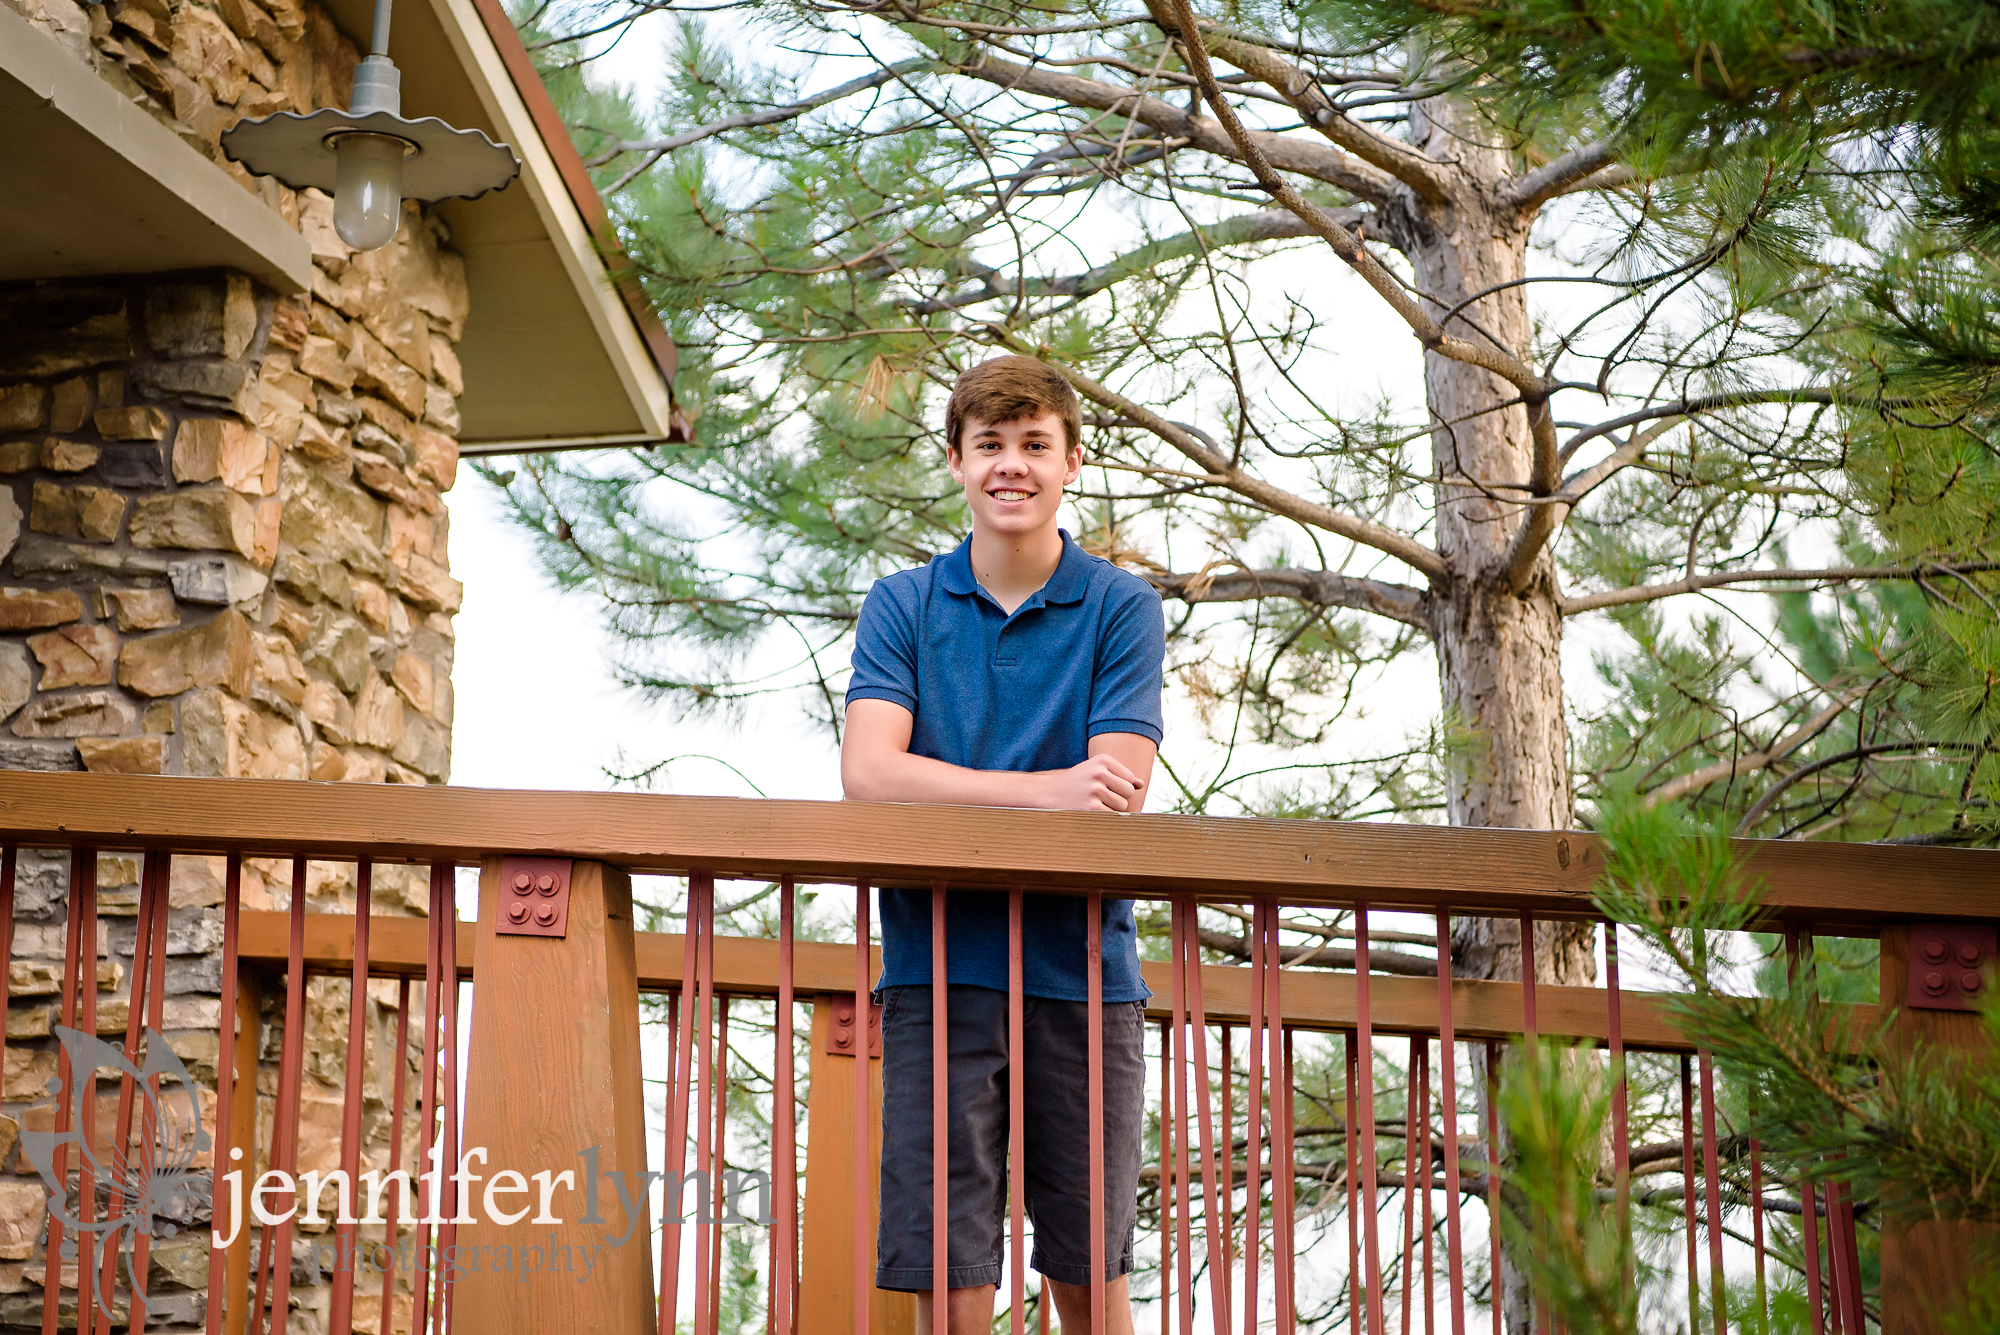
{"x": 224, "y": 551}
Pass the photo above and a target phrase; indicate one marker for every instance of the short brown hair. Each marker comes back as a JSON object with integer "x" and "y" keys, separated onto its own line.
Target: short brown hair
{"x": 1006, "y": 389}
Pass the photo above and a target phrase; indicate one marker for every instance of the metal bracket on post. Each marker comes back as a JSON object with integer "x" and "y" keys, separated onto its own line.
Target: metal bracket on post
{"x": 1950, "y": 963}
{"x": 534, "y": 897}
{"x": 840, "y": 1034}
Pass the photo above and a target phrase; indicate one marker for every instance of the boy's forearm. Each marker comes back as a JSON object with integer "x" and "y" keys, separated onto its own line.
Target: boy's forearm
{"x": 898, "y": 776}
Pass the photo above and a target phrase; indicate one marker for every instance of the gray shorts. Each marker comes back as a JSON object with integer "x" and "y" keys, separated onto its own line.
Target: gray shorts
{"x": 1057, "y": 1171}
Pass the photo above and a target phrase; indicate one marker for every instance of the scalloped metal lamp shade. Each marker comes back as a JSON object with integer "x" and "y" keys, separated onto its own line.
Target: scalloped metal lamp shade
{"x": 370, "y": 158}
{"x": 447, "y": 162}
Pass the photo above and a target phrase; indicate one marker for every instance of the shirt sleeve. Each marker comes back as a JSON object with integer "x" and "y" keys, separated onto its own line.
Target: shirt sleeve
{"x": 885, "y": 650}
{"x": 1131, "y": 655}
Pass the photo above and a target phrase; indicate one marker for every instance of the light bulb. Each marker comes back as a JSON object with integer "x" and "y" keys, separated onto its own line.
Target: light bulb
{"x": 368, "y": 190}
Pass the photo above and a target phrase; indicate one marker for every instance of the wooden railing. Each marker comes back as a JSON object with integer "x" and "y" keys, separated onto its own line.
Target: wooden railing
{"x": 555, "y": 1063}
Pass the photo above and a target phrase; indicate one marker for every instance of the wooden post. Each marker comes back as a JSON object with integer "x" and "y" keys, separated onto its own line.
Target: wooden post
{"x": 552, "y": 1074}
{"x": 1926, "y": 1265}
{"x": 826, "y": 1258}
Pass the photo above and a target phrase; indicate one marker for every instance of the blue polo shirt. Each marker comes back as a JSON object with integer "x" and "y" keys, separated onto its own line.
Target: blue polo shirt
{"x": 1024, "y": 692}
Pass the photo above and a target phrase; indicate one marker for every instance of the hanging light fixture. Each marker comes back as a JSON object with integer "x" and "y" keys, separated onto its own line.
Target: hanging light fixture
{"x": 369, "y": 157}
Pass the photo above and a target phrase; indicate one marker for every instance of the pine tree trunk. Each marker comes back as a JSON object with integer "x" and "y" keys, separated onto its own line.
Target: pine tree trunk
{"x": 1498, "y": 650}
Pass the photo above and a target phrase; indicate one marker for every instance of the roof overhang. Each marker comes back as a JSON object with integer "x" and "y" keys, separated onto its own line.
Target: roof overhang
{"x": 554, "y": 351}
{"x": 90, "y": 184}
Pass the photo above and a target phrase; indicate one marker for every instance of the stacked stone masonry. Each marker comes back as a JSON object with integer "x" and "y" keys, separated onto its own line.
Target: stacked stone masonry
{"x": 223, "y": 552}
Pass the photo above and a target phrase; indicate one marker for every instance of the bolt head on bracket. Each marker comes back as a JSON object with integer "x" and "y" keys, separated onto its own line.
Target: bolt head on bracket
{"x": 534, "y": 897}
{"x": 1951, "y": 964}
{"x": 840, "y": 1034}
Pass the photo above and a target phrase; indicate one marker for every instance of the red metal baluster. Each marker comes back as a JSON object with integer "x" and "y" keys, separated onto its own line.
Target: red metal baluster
{"x": 703, "y": 906}
{"x": 1849, "y": 1254}
{"x": 156, "y": 1005}
{"x": 1531, "y": 1032}
{"x": 1757, "y": 1221}
{"x": 1409, "y": 1180}
{"x": 1184, "y": 1238}
{"x": 1448, "y": 1108}
{"x": 1355, "y": 1299}
{"x": 1840, "y": 1251}
{"x": 82, "y": 882}
{"x": 1494, "y": 1250}
{"x": 1687, "y": 1191}
{"x": 1093, "y": 909}
{"x": 86, "y": 1171}
{"x": 1253, "y": 1121}
{"x": 719, "y": 1173}
{"x": 340, "y": 1302}
{"x": 122, "y": 1163}
{"x": 1795, "y": 944}
{"x": 1370, "y": 1188}
{"x": 1167, "y": 1177}
{"x": 1621, "y": 1136}
{"x": 1528, "y": 1025}
{"x": 1218, "y": 1292}
{"x": 680, "y": 1094}
{"x": 445, "y": 1304}
{"x": 1712, "y": 1181}
{"x": 430, "y": 1198}
{"x": 291, "y": 1071}
{"x": 225, "y": 1150}
{"x": 783, "y": 1306}
{"x": 1228, "y": 1143}
{"x": 940, "y": 1123}
{"x": 1017, "y": 1128}
{"x": 397, "y": 1190}
{"x": 863, "y": 1190}
{"x": 1424, "y": 1138}
{"x": 1284, "y": 1204}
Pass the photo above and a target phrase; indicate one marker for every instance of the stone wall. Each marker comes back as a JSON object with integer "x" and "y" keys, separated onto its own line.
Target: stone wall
{"x": 223, "y": 551}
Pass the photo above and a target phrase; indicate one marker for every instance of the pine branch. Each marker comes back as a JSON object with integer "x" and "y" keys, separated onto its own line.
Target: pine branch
{"x": 655, "y": 149}
{"x": 1242, "y": 230}
{"x": 1329, "y": 165}
{"x": 1647, "y": 593}
{"x": 1317, "y": 588}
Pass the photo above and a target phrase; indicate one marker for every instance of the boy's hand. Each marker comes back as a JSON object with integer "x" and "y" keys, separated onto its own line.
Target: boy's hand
{"x": 1101, "y": 783}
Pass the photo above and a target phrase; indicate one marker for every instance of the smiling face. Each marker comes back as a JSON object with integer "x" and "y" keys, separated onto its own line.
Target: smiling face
{"x": 1014, "y": 472}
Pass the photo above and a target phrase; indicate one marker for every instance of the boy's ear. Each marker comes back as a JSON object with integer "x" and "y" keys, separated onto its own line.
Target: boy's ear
{"x": 1073, "y": 468}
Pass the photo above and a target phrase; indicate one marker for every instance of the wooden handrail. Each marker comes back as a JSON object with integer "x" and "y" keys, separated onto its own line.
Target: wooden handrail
{"x": 1313, "y": 998}
{"x": 1303, "y": 862}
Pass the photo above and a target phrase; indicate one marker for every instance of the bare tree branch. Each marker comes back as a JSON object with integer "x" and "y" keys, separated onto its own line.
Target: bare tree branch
{"x": 1320, "y": 588}
{"x": 1401, "y": 160}
{"x": 1326, "y": 957}
{"x": 1646, "y": 593}
{"x": 1250, "y": 149}
{"x": 1295, "y": 155}
{"x": 1544, "y": 183}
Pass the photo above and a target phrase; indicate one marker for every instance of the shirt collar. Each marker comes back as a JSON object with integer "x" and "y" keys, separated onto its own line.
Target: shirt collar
{"x": 1069, "y": 583}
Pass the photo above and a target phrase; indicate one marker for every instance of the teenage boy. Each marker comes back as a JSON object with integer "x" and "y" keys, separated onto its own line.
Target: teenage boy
{"x": 1017, "y": 670}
